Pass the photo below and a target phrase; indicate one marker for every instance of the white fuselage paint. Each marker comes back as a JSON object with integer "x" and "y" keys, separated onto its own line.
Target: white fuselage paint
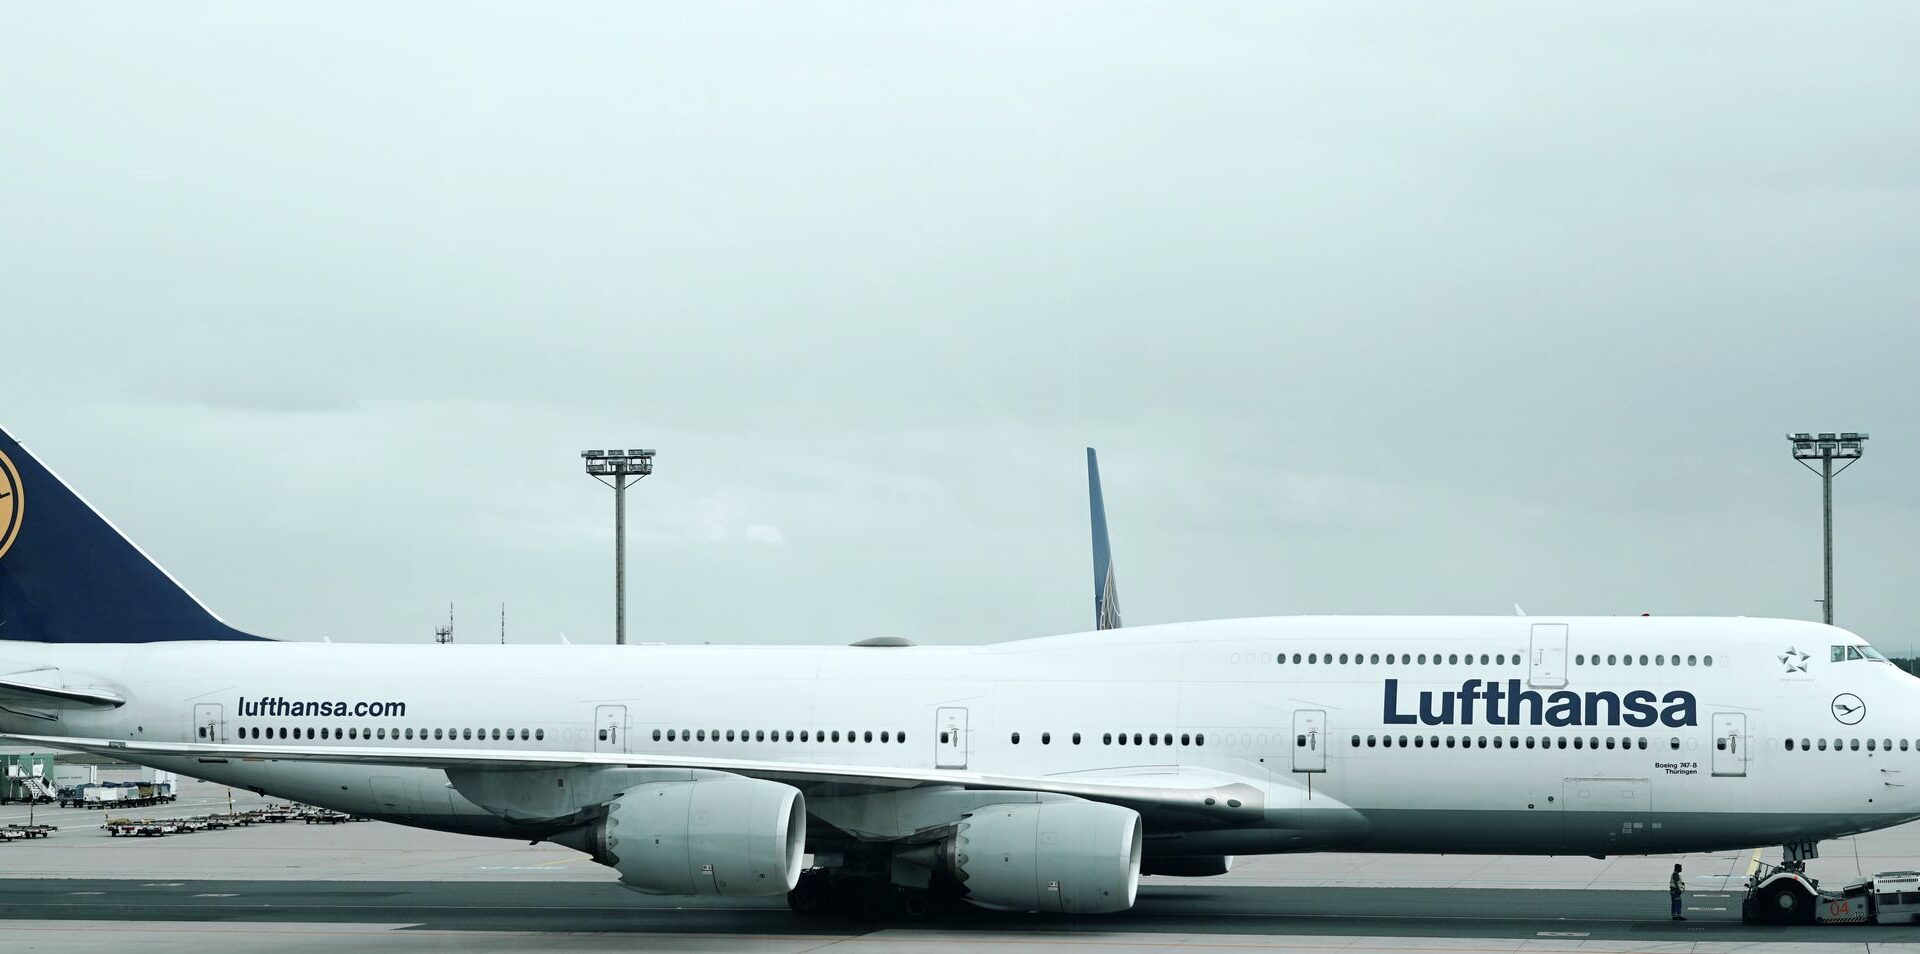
{"x": 1726, "y": 780}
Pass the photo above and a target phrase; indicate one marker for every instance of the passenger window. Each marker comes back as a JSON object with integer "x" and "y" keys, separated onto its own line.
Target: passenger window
{"x": 1643, "y": 659}
{"x": 1580, "y": 659}
{"x": 1483, "y": 659}
{"x": 1186, "y": 739}
{"x": 1612, "y": 659}
{"x": 496, "y": 735}
{"x": 1453, "y": 659}
{"x": 1046, "y": 738}
{"x": 603, "y": 735}
{"x": 1356, "y": 741}
{"x": 656, "y": 735}
{"x": 1423, "y": 659}
{"x": 1200, "y": 740}
{"x": 1136, "y": 738}
{"x": 539, "y": 734}
{"x": 1281, "y": 659}
{"x": 1706, "y": 660}
{"x": 1296, "y": 659}
{"x": 866, "y": 736}
{"x": 1853, "y": 744}
{"x": 1870, "y": 746}
{"x": 1016, "y": 738}
{"x": 1313, "y": 657}
{"x": 1823, "y": 745}
{"x": 1373, "y": 658}
{"x": 1076, "y": 738}
{"x": 1343, "y": 659}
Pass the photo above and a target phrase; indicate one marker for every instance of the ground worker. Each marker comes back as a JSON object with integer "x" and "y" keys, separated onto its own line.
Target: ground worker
{"x": 1674, "y": 887}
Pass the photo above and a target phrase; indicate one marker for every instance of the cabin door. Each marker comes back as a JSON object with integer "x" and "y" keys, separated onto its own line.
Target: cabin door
{"x": 1547, "y": 664}
{"x": 610, "y": 728}
{"x": 1731, "y": 747}
{"x": 1309, "y": 740}
{"x": 209, "y": 724}
{"x": 950, "y": 738}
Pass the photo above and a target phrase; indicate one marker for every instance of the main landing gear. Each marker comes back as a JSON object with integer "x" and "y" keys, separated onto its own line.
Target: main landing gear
{"x": 822, "y": 891}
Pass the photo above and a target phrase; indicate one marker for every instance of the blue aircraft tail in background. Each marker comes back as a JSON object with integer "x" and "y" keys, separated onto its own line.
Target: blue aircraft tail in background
{"x": 1106, "y": 600}
{"x": 67, "y": 576}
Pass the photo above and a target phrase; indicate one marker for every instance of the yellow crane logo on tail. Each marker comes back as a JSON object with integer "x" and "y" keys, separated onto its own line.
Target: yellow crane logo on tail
{"x": 11, "y": 504}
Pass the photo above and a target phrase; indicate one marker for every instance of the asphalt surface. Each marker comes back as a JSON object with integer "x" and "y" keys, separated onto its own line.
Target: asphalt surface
{"x": 563, "y": 908}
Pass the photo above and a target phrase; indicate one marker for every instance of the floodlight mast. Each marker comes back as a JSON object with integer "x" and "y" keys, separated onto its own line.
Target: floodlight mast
{"x": 1827, "y": 447}
{"x": 619, "y": 469}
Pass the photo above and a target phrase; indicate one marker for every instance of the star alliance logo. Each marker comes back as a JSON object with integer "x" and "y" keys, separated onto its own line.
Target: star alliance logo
{"x": 1794, "y": 660}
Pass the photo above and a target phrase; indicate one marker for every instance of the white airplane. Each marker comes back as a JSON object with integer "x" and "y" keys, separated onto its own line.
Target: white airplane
{"x": 1041, "y": 774}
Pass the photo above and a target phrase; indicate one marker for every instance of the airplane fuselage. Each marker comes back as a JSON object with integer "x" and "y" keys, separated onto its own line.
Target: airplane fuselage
{"x": 1407, "y": 734}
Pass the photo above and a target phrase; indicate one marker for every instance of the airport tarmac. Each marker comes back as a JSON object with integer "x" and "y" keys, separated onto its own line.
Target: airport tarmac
{"x": 313, "y": 887}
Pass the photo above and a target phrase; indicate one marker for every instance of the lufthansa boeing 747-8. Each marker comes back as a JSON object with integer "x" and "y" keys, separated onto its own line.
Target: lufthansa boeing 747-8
{"x": 1042, "y": 774}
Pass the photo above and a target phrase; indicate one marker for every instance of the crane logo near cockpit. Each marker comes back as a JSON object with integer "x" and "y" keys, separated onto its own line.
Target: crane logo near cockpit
{"x": 1848, "y": 708}
{"x": 11, "y": 503}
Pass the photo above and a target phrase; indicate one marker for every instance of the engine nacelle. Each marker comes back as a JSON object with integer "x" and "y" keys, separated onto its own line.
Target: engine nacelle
{"x": 1067, "y": 856}
{"x": 1188, "y": 866}
{"x": 725, "y": 835}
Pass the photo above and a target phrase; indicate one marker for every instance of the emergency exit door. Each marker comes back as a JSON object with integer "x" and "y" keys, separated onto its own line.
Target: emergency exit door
{"x": 1731, "y": 747}
{"x": 610, "y": 728}
{"x": 209, "y": 723}
{"x": 950, "y": 739}
{"x": 1309, "y": 740}
{"x": 1547, "y": 662}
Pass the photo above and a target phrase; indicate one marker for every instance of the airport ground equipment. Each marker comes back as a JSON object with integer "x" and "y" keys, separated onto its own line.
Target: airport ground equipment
{"x": 18, "y": 832}
{"x": 1786, "y": 895}
{"x": 26, "y": 778}
{"x": 117, "y": 795}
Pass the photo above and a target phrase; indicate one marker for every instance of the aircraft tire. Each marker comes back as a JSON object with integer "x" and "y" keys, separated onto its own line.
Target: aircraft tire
{"x": 1785, "y": 902}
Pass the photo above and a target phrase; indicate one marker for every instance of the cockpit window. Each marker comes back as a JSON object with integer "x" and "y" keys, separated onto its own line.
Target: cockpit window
{"x": 1843, "y": 653}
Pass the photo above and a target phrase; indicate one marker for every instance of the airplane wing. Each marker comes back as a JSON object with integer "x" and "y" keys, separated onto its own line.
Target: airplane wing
{"x": 1216, "y": 797}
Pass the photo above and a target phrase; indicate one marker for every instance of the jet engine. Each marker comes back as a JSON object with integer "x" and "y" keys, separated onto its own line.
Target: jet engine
{"x": 724, "y": 835}
{"x": 1067, "y": 856}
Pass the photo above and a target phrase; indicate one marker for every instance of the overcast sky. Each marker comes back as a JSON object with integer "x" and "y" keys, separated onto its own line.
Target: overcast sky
{"x": 1369, "y": 308}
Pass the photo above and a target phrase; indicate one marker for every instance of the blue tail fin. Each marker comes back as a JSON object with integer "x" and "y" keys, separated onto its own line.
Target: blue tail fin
{"x": 67, "y": 576}
{"x": 1106, "y": 599}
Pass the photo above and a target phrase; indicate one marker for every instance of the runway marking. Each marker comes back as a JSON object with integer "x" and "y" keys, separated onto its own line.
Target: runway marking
{"x": 216, "y": 895}
{"x": 1563, "y": 934}
{"x": 891, "y": 939}
{"x": 86, "y": 892}
{"x": 164, "y": 884}
{"x": 1690, "y": 908}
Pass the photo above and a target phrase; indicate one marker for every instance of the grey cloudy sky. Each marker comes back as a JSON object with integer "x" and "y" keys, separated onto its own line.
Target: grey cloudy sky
{"x": 1370, "y": 308}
